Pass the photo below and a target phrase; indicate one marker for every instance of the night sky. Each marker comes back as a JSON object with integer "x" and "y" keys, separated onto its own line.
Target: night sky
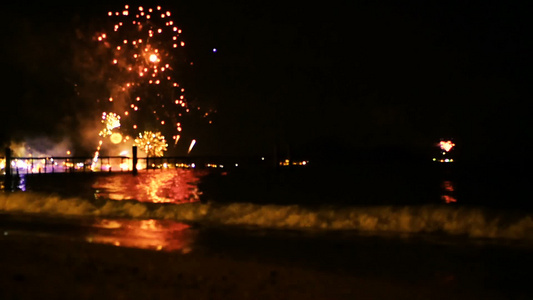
{"x": 331, "y": 77}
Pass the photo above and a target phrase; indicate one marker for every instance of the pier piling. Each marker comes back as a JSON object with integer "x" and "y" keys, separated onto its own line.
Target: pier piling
{"x": 8, "y": 178}
{"x": 134, "y": 171}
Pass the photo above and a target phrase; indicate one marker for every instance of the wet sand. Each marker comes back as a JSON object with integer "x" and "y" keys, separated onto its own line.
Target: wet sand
{"x": 43, "y": 268}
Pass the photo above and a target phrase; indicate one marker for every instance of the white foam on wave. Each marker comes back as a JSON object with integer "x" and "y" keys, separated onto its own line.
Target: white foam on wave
{"x": 464, "y": 221}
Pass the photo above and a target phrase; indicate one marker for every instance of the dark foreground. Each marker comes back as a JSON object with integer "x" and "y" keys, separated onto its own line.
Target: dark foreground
{"x": 36, "y": 267}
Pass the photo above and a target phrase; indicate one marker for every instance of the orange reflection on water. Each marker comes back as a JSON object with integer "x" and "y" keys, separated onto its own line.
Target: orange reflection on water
{"x": 448, "y": 186}
{"x": 448, "y": 199}
{"x": 448, "y": 190}
{"x": 166, "y": 186}
{"x": 145, "y": 234}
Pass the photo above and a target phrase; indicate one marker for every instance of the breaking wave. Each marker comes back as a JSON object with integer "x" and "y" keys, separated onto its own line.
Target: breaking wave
{"x": 452, "y": 220}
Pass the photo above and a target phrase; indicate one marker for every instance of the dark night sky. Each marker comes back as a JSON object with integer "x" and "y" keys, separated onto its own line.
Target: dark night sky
{"x": 355, "y": 74}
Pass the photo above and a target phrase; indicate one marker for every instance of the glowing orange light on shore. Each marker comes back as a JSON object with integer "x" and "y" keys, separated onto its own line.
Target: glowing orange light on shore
{"x": 153, "y": 58}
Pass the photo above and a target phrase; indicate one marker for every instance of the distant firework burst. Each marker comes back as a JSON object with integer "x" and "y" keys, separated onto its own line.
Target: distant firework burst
{"x": 153, "y": 143}
{"x": 111, "y": 121}
{"x": 142, "y": 50}
{"x": 446, "y": 145}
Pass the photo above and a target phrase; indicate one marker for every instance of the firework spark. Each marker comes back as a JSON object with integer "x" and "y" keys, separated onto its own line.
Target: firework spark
{"x": 143, "y": 52}
{"x": 193, "y": 142}
{"x": 111, "y": 121}
{"x": 446, "y": 145}
{"x": 153, "y": 143}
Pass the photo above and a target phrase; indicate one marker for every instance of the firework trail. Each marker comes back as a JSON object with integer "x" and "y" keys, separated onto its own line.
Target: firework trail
{"x": 143, "y": 48}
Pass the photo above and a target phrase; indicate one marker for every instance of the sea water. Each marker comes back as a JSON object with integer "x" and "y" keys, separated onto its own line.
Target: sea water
{"x": 396, "y": 224}
{"x": 295, "y": 200}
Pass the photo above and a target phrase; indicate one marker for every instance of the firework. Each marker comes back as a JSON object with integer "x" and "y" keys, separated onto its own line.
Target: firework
{"x": 446, "y": 145}
{"x": 111, "y": 121}
{"x": 142, "y": 50}
{"x": 153, "y": 143}
{"x": 193, "y": 142}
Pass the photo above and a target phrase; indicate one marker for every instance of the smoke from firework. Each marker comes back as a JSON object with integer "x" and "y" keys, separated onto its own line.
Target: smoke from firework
{"x": 131, "y": 73}
{"x": 142, "y": 46}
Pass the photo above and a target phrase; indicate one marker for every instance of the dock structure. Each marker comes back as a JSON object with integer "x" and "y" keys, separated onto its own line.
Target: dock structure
{"x": 13, "y": 164}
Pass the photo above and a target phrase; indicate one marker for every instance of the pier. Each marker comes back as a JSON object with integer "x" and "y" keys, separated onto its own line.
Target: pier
{"x": 12, "y": 166}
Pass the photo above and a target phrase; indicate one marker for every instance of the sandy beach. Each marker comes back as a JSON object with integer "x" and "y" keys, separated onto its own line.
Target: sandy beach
{"x": 43, "y": 268}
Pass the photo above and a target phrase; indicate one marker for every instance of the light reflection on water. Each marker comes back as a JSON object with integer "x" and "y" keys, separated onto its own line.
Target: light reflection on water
{"x": 448, "y": 192}
{"x": 144, "y": 234}
{"x": 169, "y": 186}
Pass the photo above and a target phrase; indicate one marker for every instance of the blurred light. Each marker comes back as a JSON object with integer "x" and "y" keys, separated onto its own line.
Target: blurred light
{"x": 448, "y": 199}
{"x": 446, "y": 145}
{"x": 115, "y": 138}
{"x": 193, "y": 142}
